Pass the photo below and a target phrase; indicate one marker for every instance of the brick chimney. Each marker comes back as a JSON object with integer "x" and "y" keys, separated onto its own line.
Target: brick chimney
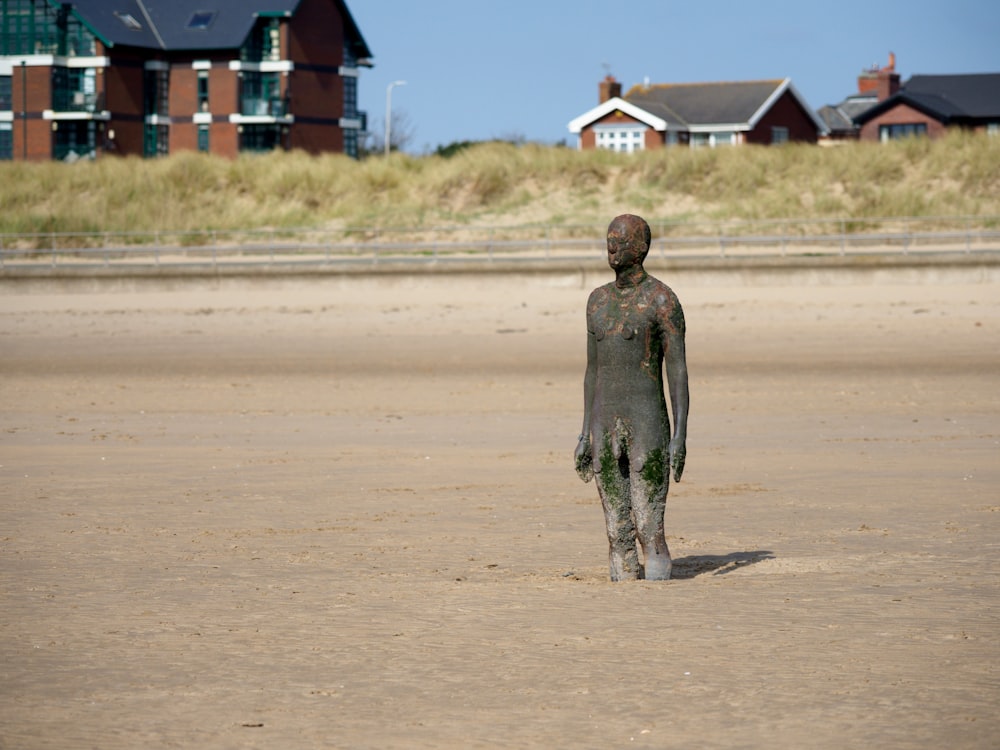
{"x": 883, "y": 82}
{"x": 609, "y": 88}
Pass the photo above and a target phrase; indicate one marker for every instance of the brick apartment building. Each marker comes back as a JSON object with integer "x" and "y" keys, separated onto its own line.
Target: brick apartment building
{"x": 151, "y": 77}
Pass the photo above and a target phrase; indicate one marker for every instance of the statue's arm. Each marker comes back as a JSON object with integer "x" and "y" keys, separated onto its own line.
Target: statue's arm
{"x": 677, "y": 384}
{"x": 584, "y": 454}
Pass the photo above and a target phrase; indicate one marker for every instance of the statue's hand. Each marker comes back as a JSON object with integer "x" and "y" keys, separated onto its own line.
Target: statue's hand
{"x": 678, "y": 452}
{"x": 584, "y": 458}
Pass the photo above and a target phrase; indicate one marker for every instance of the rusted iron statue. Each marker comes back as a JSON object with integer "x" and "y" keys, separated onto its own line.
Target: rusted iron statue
{"x": 635, "y": 330}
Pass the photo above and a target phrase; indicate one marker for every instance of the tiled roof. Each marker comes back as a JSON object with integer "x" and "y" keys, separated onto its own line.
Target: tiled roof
{"x": 964, "y": 98}
{"x": 853, "y": 106}
{"x": 834, "y": 119}
{"x": 705, "y": 103}
{"x": 972, "y": 95}
{"x": 168, "y": 24}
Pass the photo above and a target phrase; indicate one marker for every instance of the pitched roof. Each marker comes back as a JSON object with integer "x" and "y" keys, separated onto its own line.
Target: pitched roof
{"x": 835, "y": 119}
{"x": 734, "y": 105}
{"x": 727, "y": 103}
{"x": 644, "y": 116}
{"x": 192, "y": 24}
{"x": 960, "y": 97}
{"x": 840, "y": 118}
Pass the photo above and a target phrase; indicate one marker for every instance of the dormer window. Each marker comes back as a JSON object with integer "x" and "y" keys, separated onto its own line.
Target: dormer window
{"x": 200, "y": 20}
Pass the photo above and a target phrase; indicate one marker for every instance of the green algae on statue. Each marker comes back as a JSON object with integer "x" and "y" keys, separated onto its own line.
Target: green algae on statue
{"x": 635, "y": 330}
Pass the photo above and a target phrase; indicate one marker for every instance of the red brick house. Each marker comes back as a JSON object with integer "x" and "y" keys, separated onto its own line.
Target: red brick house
{"x": 931, "y": 104}
{"x": 150, "y": 77}
{"x": 875, "y": 84}
{"x": 696, "y": 114}
{"x": 884, "y": 109}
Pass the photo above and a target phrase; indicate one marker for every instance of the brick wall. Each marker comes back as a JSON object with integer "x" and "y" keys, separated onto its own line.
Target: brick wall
{"x": 315, "y": 43}
{"x": 123, "y": 84}
{"x": 901, "y": 114}
{"x": 31, "y": 88}
{"x": 786, "y": 113}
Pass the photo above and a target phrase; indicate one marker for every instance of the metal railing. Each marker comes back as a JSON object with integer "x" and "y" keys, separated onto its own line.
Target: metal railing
{"x": 570, "y": 242}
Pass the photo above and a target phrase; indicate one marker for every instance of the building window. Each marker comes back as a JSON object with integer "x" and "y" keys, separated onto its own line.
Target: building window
{"x": 34, "y": 27}
{"x": 713, "y": 140}
{"x": 203, "y": 91}
{"x": 350, "y": 97}
{"x": 779, "y": 135}
{"x": 74, "y": 139}
{"x": 901, "y": 130}
{"x": 157, "y": 92}
{"x": 155, "y": 140}
{"x": 261, "y": 95}
{"x": 203, "y": 138}
{"x": 128, "y": 21}
{"x": 74, "y": 90}
{"x": 351, "y": 143}
{"x": 260, "y": 137}
{"x": 5, "y": 94}
{"x": 200, "y": 20}
{"x": 264, "y": 42}
{"x": 6, "y": 141}
{"x": 624, "y": 139}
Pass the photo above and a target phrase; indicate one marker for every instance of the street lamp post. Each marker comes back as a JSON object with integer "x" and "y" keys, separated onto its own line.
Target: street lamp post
{"x": 388, "y": 112}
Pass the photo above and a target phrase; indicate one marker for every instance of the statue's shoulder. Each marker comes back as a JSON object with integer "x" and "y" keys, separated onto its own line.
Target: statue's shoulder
{"x": 660, "y": 291}
{"x": 600, "y": 295}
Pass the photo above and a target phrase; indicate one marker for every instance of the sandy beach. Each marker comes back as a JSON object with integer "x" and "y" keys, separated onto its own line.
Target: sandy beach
{"x": 341, "y": 512}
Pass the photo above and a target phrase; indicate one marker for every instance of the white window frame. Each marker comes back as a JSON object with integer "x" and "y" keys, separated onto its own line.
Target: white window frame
{"x": 625, "y": 139}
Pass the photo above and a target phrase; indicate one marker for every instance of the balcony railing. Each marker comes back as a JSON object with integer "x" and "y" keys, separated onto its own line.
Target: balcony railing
{"x": 77, "y": 101}
{"x": 263, "y": 107}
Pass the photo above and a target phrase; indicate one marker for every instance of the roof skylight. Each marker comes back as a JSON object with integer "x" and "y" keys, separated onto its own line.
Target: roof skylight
{"x": 129, "y": 20}
{"x": 201, "y": 19}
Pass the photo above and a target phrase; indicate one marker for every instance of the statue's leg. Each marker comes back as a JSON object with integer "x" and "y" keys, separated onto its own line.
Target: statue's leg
{"x": 650, "y": 482}
{"x": 613, "y": 486}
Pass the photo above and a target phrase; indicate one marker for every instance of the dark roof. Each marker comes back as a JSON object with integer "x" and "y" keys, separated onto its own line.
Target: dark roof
{"x": 704, "y": 103}
{"x": 167, "y": 24}
{"x": 834, "y": 119}
{"x": 948, "y": 98}
{"x": 840, "y": 118}
{"x": 853, "y": 106}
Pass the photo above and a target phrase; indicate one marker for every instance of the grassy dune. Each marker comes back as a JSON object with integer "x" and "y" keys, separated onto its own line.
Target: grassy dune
{"x": 502, "y": 184}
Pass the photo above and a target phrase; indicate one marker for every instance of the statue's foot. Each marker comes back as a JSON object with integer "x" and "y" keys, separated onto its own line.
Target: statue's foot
{"x": 658, "y": 570}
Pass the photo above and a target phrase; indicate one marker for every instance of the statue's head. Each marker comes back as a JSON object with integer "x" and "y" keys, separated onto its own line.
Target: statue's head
{"x": 628, "y": 241}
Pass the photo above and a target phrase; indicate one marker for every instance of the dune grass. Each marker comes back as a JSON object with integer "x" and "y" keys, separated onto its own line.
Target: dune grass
{"x": 497, "y": 183}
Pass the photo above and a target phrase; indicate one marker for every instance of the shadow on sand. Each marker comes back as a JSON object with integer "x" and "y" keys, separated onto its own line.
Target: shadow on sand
{"x": 717, "y": 565}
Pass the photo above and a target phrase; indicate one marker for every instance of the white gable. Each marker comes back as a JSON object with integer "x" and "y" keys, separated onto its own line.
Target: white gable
{"x": 611, "y": 105}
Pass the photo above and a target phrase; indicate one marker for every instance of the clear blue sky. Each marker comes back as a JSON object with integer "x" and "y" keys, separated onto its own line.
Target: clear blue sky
{"x": 477, "y": 70}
